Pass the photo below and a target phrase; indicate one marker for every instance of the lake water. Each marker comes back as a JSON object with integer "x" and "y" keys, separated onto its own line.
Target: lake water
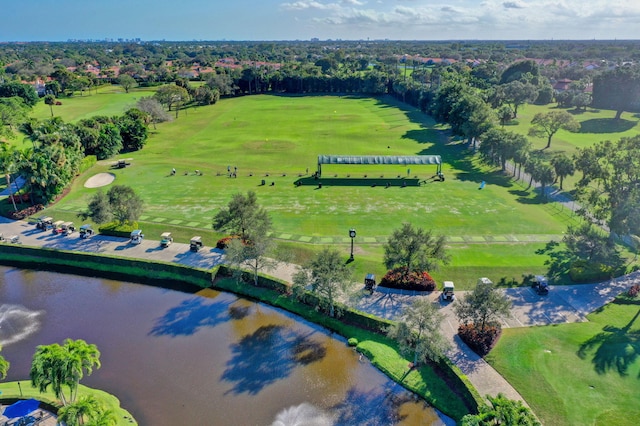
{"x": 211, "y": 358}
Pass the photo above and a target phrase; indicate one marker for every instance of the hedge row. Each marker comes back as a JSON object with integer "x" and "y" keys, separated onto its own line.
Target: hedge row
{"x": 161, "y": 273}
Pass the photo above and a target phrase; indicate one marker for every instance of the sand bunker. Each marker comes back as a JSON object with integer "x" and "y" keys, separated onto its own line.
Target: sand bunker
{"x": 101, "y": 179}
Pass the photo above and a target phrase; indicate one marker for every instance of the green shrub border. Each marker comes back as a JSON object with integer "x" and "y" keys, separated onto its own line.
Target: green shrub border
{"x": 270, "y": 290}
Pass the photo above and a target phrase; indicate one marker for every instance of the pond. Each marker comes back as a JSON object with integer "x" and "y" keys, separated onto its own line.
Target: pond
{"x": 202, "y": 359}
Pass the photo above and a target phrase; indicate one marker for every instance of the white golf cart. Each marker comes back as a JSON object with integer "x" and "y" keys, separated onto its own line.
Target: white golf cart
{"x": 447, "y": 292}
{"x": 166, "y": 239}
{"x": 196, "y": 243}
{"x": 136, "y": 236}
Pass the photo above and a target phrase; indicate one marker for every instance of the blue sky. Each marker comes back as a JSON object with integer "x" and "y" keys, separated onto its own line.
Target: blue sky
{"x": 59, "y": 20}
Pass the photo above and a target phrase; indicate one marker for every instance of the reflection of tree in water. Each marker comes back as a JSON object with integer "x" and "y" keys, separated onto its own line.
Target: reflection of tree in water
{"x": 239, "y": 312}
{"x": 268, "y": 355}
{"x": 189, "y": 316}
{"x": 372, "y": 408}
{"x": 615, "y": 348}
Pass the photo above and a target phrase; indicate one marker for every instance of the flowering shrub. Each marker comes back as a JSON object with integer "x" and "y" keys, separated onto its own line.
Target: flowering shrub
{"x": 223, "y": 243}
{"x": 634, "y": 290}
{"x": 480, "y": 341}
{"x": 29, "y": 211}
{"x": 398, "y": 278}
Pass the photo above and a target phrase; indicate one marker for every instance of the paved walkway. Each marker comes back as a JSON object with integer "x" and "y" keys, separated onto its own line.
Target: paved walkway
{"x": 563, "y": 303}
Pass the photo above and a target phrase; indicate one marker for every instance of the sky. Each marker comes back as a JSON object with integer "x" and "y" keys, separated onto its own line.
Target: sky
{"x": 61, "y": 20}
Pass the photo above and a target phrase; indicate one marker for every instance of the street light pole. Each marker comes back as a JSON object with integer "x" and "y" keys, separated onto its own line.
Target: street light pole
{"x": 352, "y": 234}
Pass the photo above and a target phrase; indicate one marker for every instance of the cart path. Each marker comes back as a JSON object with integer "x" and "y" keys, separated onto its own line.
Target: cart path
{"x": 563, "y": 303}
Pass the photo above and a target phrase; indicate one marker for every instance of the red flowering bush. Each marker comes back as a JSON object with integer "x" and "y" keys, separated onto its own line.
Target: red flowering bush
{"x": 634, "y": 290}
{"x": 400, "y": 279}
{"x": 29, "y": 211}
{"x": 223, "y": 243}
{"x": 481, "y": 341}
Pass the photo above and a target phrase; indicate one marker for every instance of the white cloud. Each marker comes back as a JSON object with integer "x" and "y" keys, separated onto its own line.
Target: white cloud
{"x": 489, "y": 19}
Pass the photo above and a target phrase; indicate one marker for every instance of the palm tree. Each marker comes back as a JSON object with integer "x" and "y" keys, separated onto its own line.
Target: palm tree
{"x": 58, "y": 366}
{"x": 86, "y": 411}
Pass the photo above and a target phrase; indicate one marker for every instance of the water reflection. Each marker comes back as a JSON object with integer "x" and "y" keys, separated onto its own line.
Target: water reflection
{"x": 204, "y": 359}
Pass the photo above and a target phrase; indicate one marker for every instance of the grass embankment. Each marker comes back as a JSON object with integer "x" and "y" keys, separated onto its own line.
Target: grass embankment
{"x": 282, "y": 136}
{"x": 11, "y": 390}
{"x": 577, "y": 374}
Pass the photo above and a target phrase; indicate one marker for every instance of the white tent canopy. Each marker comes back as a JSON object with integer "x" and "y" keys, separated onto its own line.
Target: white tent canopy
{"x": 380, "y": 159}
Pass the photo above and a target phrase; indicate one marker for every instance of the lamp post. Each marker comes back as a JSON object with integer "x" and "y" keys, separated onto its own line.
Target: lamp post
{"x": 352, "y": 234}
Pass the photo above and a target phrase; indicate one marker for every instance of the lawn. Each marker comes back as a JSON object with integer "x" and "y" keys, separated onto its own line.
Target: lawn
{"x": 577, "y": 374}
{"x": 24, "y": 390}
{"x": 278, "y": 138}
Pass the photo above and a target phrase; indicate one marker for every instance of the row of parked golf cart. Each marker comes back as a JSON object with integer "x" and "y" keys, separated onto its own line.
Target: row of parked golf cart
{"x": 60, "y": 227}
{"x": 166, "y": 239}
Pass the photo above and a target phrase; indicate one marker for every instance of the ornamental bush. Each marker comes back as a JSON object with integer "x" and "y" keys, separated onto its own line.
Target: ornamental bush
{"x": 418, "y": 281}
{"x": 480, "y": 341}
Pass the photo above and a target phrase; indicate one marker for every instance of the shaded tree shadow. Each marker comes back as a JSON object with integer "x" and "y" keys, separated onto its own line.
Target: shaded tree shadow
{"x": 374, "y": 407}
{"x": 559, "y": 261}
{"x": 615, "y": 348}
{"x": 187, "y": 318}
{"x": 268, "y": 355}
{"x": 239, "y": 312}
{"x": 606, "y": 125}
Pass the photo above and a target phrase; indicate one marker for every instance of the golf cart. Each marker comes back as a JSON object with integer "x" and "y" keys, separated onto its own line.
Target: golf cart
{"x": 44, "y": 223}
{"x": 86, "y": 231}
{"x": 136, "y": 236}
{"x": 540, "y": 285}
{"x": 166, "y": 239}
{"x": 67, "y": 228}
{"x": 56, "y": 228}
{"x": 195, "y": 244}
{"x": 14, "y": 239}
{"x": 370, "y": 283}
{"x": 447, "y": 292}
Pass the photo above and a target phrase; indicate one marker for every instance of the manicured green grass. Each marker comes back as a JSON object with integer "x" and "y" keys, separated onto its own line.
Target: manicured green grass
{"x": 25, "y": 391}
{"x": 109, "y": 100}
{"x": 577, "y": 374}
{"x": 282, "y": 136}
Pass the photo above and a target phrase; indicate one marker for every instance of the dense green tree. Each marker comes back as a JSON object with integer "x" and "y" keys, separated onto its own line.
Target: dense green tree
{"x": 590, "y": 243}
{"x": 617, "y": 89}
{"x": 206, "y": 96}
{"x": 243, "y": 216}
{"x": 547, "y": 124}
{"x": 418, "y": 332}
{"x": 13, "y": 112}
{"x": 483, "y": 307}
{"x": 4, "y": 367}
{"x": 501, "y": 411}
{"x": 63, "y": 366}
{"x": 518, "y": 93}
{"x": 545, "y": 175}
{"x": 414, "y": 250}
{"x": 126, "y": 206}
{"x": 127, "y": 82}
{"x": 53, "y": 87}
{"x": 519, "y": 71}
{"x": 563, "y": 166}
{"x": 133, "y": 129}
{"x": 109, "y": 141}
{"x": 24, "y": 91}
{"x": 608, "y": 189}
{"x": 172, "y": 96}
{"x": 98, "y": 209}
{"x": 327, "y": 276}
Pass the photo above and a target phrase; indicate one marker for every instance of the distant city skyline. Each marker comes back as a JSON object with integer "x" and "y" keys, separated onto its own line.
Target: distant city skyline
{"x": 62, "y": 20}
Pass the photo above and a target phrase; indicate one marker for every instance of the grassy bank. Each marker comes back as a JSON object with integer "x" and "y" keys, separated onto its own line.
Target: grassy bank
{"x": 577, "y": 374}
{"x": 11, "y": 390}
